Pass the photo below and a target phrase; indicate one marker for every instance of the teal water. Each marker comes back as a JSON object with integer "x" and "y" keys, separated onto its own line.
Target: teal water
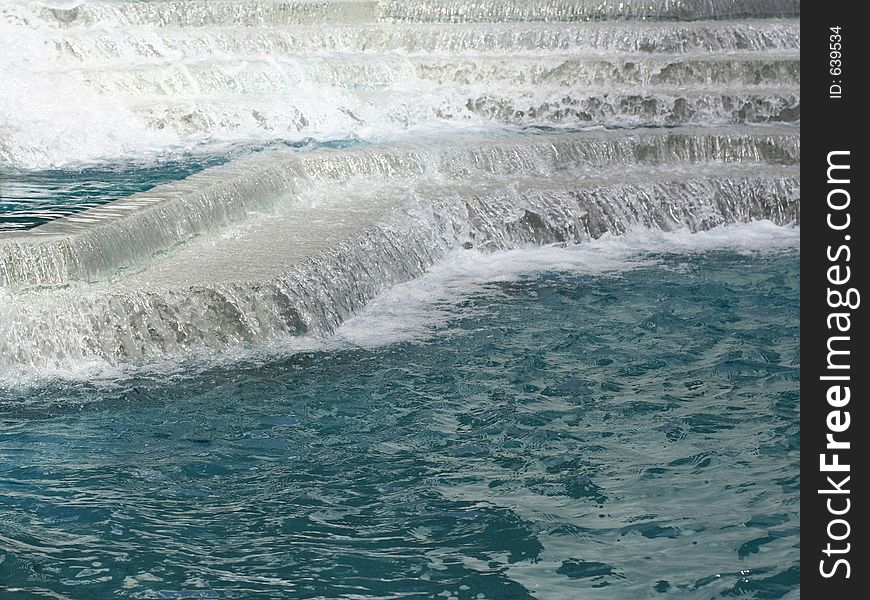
{"x": 623, "y": 435}
{"x": 29, "y": 198}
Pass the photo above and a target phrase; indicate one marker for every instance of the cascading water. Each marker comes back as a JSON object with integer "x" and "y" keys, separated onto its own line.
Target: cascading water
{"x": 285, "y": 278}
{"x": 484, "y": 125}
{"x": 152, "y": 76}
{"x": 473, "y": 299}
{"x": 129, "y": 231}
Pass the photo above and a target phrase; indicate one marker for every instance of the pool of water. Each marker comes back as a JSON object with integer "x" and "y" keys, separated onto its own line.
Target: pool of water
{"x": 29, "y": 198}
{"x": 632, "y": 434}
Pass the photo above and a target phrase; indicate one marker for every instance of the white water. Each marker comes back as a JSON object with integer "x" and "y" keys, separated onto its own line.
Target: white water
{"x": 94, "y": 81}
{"x": 94, "y": 245}
{"x": 422, "y": 309}
{"x": 700, "y": 99}
{"x": 307, "y": 268}
{"x": 425, "y": 307}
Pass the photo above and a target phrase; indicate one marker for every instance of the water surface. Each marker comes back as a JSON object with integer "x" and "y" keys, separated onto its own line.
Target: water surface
{"x": 620, "y": 435}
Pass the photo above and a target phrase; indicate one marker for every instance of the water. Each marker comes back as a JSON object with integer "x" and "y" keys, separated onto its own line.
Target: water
{"x": 134, "y": 94}
{"x": 31, "y": 198}
{"x": 161, "y": 79}
{"x": 590, "y": 432}
{"x": 470, "y": 299}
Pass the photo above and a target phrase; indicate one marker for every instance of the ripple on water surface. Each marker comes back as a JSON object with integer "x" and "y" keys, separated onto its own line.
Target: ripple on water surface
{"x": 619, "y": 436}
{"x": 29, "y": 198}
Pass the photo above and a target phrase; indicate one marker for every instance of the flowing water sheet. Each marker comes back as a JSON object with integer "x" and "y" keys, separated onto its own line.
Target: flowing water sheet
{"x": 399, "y": 299}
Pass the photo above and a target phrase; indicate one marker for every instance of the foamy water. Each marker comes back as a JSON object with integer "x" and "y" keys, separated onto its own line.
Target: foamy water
{"x": 423, "y": 309}
{"x": 400, "y": 298}
{"x": 102, "y": 81}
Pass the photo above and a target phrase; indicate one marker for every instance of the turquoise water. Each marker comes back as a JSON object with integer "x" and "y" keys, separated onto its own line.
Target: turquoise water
{"x": 622, "y": 435}
{"x": 29, "y": 198}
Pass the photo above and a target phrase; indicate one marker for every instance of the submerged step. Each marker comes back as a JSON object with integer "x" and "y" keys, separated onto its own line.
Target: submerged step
{"x": 353, "y": 254}
{"x": 149, "y": 46}
{"x": 285, "y": 75}
{"x": 96, "y": 243}
{"x": 498, "y": 213}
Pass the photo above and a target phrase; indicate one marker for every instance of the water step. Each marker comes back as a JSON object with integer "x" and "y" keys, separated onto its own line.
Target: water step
{"x": 149, "y": 46}
{"x": 285, "y": 76}
{"x": 453, "y": 11}
{"x": 344, "y": 253}
{"x": 94, "y": 244}
{"x": 258, "y": 13}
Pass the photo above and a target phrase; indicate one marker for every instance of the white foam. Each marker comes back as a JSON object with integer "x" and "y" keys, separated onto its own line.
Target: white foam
{"x": 96, "y": 82}
{"x": 95, "y": 245}
{"x": 425, "y": 309}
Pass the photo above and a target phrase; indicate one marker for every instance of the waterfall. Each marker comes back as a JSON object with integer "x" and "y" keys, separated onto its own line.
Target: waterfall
{"x": 177, "y": 304}
{"x": 120, "y": 235}
{"x": 465, "y": 125}
{"x": 197, "y": 76}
